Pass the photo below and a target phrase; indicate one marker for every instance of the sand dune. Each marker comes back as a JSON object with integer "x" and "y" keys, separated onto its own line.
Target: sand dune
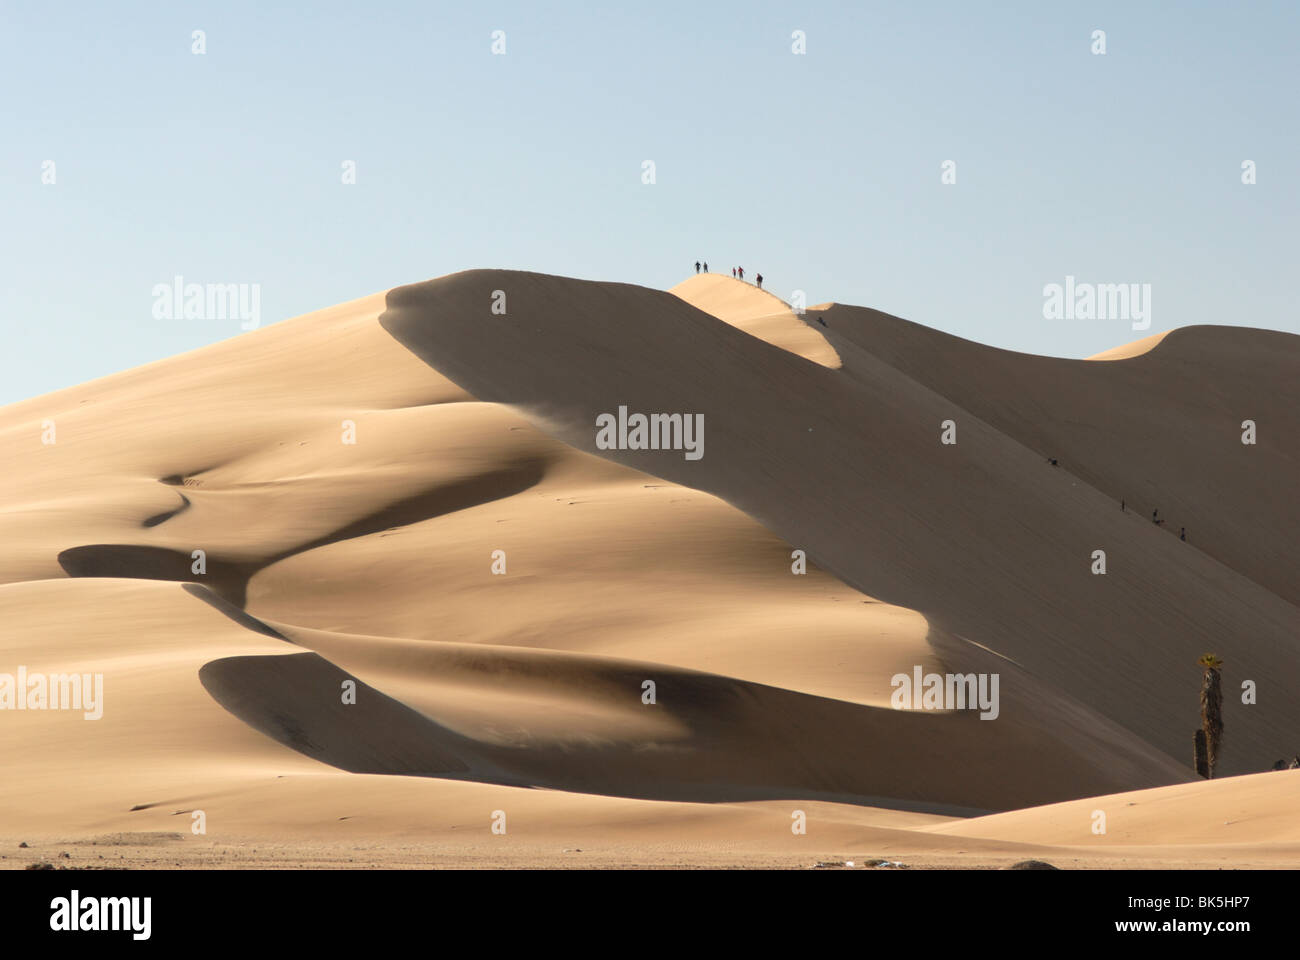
{"x": 759, "y": 313}
{"x": 1134, "y": 349}
{"x": 1258, "y": 809}
{"x": 405, "y": 493}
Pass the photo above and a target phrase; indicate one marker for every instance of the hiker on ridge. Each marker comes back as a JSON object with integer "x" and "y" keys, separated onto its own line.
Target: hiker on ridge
{"x": 741, "y": 272}
{"x": 697, "y": 266}
{"x": 759, "y": 278}
{"x": 706, "y": 266}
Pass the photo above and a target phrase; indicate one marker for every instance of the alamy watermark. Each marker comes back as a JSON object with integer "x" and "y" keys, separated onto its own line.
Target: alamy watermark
{"x": 75, "y": 913}
{"x": 179, "y": 300}
{"x": 1098, "y": 301}
{"x": 658, "y": 431}
{"x": 946, "y": 691}
{"x": 56, "y": 691}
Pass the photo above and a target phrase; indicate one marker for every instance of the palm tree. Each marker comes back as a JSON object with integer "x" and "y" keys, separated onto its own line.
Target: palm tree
{"x": 1211, "y": 710}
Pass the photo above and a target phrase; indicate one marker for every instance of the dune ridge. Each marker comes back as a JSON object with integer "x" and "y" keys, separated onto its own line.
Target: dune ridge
{"x": 500, "y": 588}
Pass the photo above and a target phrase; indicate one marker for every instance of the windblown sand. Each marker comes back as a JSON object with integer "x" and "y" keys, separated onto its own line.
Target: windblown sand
{"x": 517, "y": 698}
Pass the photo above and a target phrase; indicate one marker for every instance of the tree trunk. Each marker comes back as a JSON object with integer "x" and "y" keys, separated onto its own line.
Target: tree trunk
{"x": 1212, "y": 717}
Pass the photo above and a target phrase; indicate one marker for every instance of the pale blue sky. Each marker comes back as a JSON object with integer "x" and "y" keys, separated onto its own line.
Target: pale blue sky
{"x": 821, "y": 171}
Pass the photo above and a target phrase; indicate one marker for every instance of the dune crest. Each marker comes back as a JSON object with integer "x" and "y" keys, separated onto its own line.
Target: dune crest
{"x": 759, "y": 313}
{"x": 1127, "y": 351}
{"x": 405, "y": 493}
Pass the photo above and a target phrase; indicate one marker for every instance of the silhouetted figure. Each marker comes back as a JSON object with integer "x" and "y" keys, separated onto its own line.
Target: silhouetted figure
{"x": 697, "y": 266}
{"x": 1182, "y": 534}
{"x": 759, "y": 278}
{"x": 706, "y": 266}
{"x": 733, "y": 273}
{"x": 1154, "y": 514}
{"x": 1053, "y": 461}
{"x": 741, "y": 272}
{"x": 1121, "y": 506}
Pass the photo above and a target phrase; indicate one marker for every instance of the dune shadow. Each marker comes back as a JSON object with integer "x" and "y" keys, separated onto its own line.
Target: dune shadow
{"x": 437, "y": 502}
{"x": 166, "y": 515}
{"x": 300, "y": 700}
{"x": 132, "y": 561}
{"x": 735, "y": 740}
{"x": 228, "y": 609}
{"x": 228, "y": 577}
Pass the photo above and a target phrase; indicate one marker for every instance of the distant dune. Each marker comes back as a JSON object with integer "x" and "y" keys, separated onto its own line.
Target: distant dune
{"x": 499, "y": 588}
{"x": 1134, "y": 349}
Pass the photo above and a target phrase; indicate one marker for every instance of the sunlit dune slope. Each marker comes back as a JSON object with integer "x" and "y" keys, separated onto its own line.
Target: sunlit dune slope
{"x": 759, "y": 313}
{"x": 405, "y": 493}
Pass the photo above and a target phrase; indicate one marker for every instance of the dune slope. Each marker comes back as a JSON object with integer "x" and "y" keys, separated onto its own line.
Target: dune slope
{"x": 404, "y": 495}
